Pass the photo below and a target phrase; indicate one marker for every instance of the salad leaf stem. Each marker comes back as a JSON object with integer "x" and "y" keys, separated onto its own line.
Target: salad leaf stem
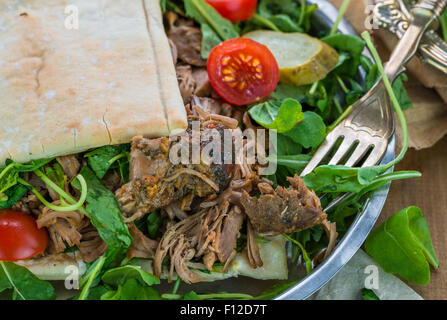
{"x": 201, "y": 8}
{"x": 62, "y": 193}
{"x": 303, "y": 12}
{"x": 341, "y": 12}
{"x": 206, "y": 296}
{"x": 307, "y": 260}
{"x": 366, "y": 36}
{"x": 339, "y": 119}
{"x": 6, "y": 169}
{"x": 64, "y": 208}
{"x": 342, "y": 84}
{"x": 338, "y": 105}
{"x": 176, "y": 285}
{"x": 314, "y": 88}
{"x": 5, "y": 270}
{"x": 86, "y": 288}
{"x": 117, "y": 157}
{"x": 444, "y": 25}
{"x": 266, "y": 22}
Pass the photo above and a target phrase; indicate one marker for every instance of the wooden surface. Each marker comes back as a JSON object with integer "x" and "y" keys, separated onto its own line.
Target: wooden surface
{"x": 430, "y": 194}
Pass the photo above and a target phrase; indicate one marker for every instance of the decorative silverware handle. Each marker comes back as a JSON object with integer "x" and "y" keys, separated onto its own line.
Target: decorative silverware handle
{"x": 396, "y": 16}
{"x": 436, "y": 6}
{"x": 424, "y": 14}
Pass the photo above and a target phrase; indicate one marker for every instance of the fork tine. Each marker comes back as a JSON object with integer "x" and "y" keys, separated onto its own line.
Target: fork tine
{"x": 324, "y": 149}
{"x": 342, "y": 150}
{"x": 358, "y": 154}
{"x": 376, "y": 154}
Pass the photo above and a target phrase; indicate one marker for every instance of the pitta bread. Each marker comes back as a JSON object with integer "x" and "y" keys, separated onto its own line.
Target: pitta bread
{"x": 64, "y": 91}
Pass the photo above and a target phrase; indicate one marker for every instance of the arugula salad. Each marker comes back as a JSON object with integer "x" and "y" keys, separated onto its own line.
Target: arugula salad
{"x": 130, "y": 219}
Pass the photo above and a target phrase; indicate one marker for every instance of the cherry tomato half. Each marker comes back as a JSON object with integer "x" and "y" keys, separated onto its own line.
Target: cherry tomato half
{"x": 234, "y": 10}
{"x": 242, "y": 71}
{"x": 20, "y": 238}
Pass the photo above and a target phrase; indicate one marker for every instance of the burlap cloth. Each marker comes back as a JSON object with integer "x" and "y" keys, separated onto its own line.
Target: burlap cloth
{"x": 427, "y": 87}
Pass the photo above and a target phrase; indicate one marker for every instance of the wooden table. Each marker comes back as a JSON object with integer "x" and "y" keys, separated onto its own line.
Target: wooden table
{"x": 430, "y": 194}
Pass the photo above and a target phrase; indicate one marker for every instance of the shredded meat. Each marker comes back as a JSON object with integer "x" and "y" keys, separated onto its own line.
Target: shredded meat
{"x": 230, "y": 232}
{"x": 186, "y": 82}
{"x": 156, "y": 181}
{"x": 142, "y": 246}
{"x": 203, "y": 85}
{"x": 281, "y": 210}
{"x": 210, "y": 234}
{"x": 62, "y": 228}
{"x": 253, "y": 254}
{"x": 212, "y": 106}
{"x": 187, "y": 39}
{"x": 112, "y": 180}
{"x": 92, "y": 246}
{"x": 70, "y": 164}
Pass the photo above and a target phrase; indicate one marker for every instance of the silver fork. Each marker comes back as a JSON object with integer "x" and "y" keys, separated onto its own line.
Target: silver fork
{"x": 370, "y": 124}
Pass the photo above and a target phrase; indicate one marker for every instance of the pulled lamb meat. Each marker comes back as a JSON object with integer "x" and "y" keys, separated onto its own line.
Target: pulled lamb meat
{"x": 186, "y": 82}
{"x": 213, "y": 106}
{"x": 252, "y": 249}
{"x": 283, "y": 211}
{"x": 92, "y": 246}
{"x": 210, "y": 234}
{"x": 142, "y": 246}
{"x": 70, "y": 165}
{"x": 193, "y": 82}
{"x": 203, "y": 85}
{"x": 187, "y": 39}
{"x": 156, "y": 182}
{"x": 62, "y": 228}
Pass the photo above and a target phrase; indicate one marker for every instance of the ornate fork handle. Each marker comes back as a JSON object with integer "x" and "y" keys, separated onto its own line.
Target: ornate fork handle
{"x": 395, "y": 16}
{"x": 424, "y": 14}
{"x": 373, "y": 113}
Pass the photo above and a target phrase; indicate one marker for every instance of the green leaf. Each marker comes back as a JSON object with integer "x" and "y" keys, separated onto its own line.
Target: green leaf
{"x": 154, "y": 221}
{"x": 402, "y": 245}
{"x": 133, "y": 290}
{"x": 275, "y": 290}
{"x": 353, "y": 45}
{"x": 278, "y": 115}
{"x": 202, "y": 12}
{"x": 284, "y": 91}
{"x": 100, "y": 159}
{"x": 341, "y": 178}
{"x": 118, "y": 276}
{"x": 13, "y": 195}
{"x": 30, "y": 166}
{"x": 25, "y": 284}
{"x": 191, "y": 295}
{"x": 298, "y": 162}
{"x": 8, "y": 177}
{"x": 368, "y": 294}
{"x": 286, "y": 146}
{"x": 310, "y": 132}
{"x": 210, "y": 39}
{"x": 105, "y": 215}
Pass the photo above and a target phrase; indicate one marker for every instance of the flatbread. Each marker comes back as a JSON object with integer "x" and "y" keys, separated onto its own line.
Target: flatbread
{"x": 64, "y": 91}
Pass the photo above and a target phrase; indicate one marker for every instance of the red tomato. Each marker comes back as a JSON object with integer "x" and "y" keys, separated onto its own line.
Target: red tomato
{"x": 20, "y": 238}
{"x": 242, "y": 71}
{"x": 234, "y": 10}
